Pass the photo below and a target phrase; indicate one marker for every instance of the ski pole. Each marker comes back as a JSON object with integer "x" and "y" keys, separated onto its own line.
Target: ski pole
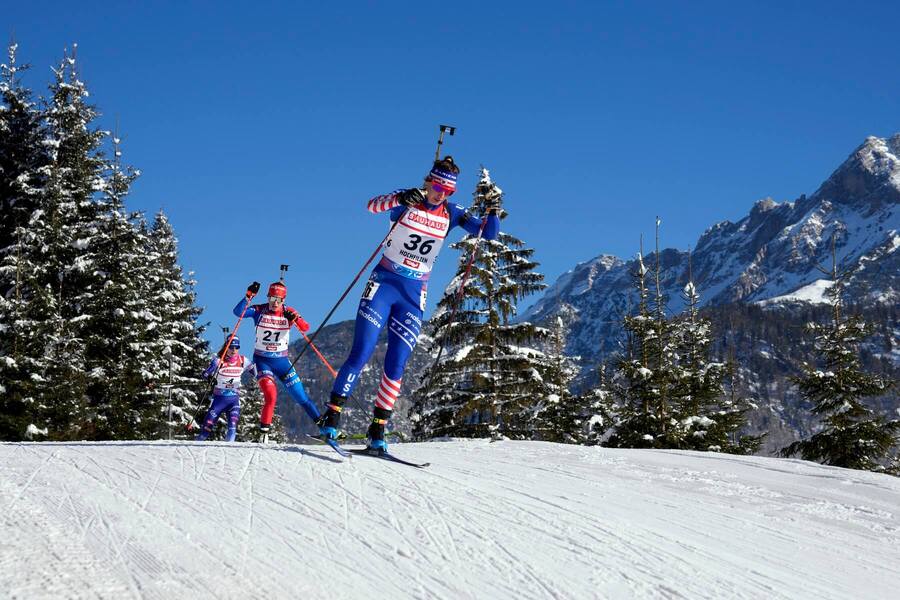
{"x": 344, "y": 295}
{"x": 316, "y": 350}
{"x": 222, "y": 356}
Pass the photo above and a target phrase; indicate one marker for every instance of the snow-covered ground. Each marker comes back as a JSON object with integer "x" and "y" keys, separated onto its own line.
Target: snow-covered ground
{"x": 503, "y": 520}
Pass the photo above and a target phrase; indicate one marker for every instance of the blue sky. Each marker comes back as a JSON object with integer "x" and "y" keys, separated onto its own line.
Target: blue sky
{"x": 262, "y": 130}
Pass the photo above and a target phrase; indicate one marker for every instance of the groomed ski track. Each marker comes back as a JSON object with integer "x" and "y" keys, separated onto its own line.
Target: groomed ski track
{"x": 502, "y": 520}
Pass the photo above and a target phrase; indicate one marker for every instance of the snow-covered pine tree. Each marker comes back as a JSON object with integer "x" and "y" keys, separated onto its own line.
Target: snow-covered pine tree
{"x": 23, "y": 159}
{"x": 852, "y": 436}
{"x": 117, "y": 355}
{"x": 57, "y": 248}
{"x": 488, "y": 382}
{"x": 643, "y": 381}
{"x": 22, "y": 153}
{"x": 559, "y": 415}
{"x": 706, "y": 418}
{"x": 599, "y": 409}
{"x": 178, "y": 354}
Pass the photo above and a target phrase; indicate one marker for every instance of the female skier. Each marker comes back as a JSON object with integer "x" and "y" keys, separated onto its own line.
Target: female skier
{"x": 270, "y": 353}
{"x": 395, "y": 292}
{"x": 226, "y": 393}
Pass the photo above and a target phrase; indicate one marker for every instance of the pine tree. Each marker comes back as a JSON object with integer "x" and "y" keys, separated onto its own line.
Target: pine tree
{"x": 55, "y": 259}
{"x": 98, "y": 324}
{"x": 117, "y": 355}
{"x": 706, "y": 418}
{"x": 179, "y": 355}
{"x": 853, "y": 436}
{"x": 489, "y": 381}
{"x": 599, "y": 410}
{"x": 23, "y": 160}
{"x": 643, "y": 382}
{"x": 558, "y": 415}
{"x": 22, "y": 154}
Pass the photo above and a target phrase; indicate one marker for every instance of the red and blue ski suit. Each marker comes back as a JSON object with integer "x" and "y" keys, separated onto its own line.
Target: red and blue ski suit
{"x": 270, "y": 354}
{"x": 395, "y": 292}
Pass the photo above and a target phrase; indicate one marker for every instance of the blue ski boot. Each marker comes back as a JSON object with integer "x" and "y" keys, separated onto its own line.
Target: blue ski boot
{"x": 375, "y": 436}
{"x": 330, "y": 421}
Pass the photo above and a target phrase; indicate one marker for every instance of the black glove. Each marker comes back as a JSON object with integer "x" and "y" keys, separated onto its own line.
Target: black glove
{"x": 411, "y": 197}
{"x": 252, "y": 289}
{"x": 290, "y": 314}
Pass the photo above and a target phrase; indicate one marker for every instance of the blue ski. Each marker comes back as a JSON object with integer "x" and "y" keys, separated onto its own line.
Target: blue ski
{"x": 333, "y": 443}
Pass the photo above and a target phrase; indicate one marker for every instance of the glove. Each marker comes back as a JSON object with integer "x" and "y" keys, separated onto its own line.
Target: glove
{"x": 291, "y": 315}
{"x": 252, "y": 289}
{"x": 411, "y": 197}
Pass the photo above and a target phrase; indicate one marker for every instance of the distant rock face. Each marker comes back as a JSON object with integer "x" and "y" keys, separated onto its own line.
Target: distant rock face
{"x": 773, "y": 251}
{"x": 768, "y": 263}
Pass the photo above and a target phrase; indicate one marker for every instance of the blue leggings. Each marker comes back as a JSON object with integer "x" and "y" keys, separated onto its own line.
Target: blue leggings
{"x": 232, "y": 404}
{"x": 280, "y": 366}
{"x": 388, "y": 299}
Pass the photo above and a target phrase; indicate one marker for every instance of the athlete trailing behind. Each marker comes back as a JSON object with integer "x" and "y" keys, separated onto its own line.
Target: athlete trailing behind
{"x": 226, "y": 392}
{"x": 395, "y": 293}
{"x": 270, "y": 353}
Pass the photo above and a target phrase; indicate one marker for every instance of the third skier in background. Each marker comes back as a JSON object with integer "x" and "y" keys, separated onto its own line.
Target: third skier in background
{"x": 395, "y": 293}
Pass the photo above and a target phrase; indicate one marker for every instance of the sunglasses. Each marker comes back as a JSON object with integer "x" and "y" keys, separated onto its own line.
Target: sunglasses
{"x": 441, "y": 189}
{"x": 275, "y": 299}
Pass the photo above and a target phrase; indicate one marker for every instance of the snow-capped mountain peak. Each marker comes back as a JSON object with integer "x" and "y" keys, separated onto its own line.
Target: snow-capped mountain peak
{"x": 774, "y": 251}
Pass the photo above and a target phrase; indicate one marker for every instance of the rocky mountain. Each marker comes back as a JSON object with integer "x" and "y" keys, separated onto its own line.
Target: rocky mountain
{"x": 775, "y": 250}
{"x": 760, "y": 280}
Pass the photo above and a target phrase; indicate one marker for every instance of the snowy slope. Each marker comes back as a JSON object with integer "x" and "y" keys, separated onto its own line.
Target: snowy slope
{"x": 813, "y": 293}
{"x": 504, "y": 520}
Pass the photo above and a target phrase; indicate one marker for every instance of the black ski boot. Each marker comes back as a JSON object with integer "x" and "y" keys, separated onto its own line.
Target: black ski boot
{"x": 375, "y": 435}
{"x": 330, "y": 421}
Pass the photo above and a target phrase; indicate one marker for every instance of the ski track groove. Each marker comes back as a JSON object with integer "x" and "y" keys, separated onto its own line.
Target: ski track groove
{"x": 115, "y": 492}
{"x": 29, "y": 481}
{"x": 539, "y": 516}
{"x": 245, "y": 545}
{"x": 414, "y": 532}
{"x": 153, "y": 488}
{"x": 436, "y": 510}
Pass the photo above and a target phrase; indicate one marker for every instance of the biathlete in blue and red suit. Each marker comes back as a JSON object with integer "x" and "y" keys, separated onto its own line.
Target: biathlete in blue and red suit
{"x": 395, "y": 293}
{"x": 226, "y": 393}
{"x": 270, "y": 353}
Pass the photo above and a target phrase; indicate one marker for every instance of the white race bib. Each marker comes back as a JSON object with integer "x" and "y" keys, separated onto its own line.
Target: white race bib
{"x": 229, "y": 375}
{"x": 272, "y": 334}
{"x": 417, "y": 239}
